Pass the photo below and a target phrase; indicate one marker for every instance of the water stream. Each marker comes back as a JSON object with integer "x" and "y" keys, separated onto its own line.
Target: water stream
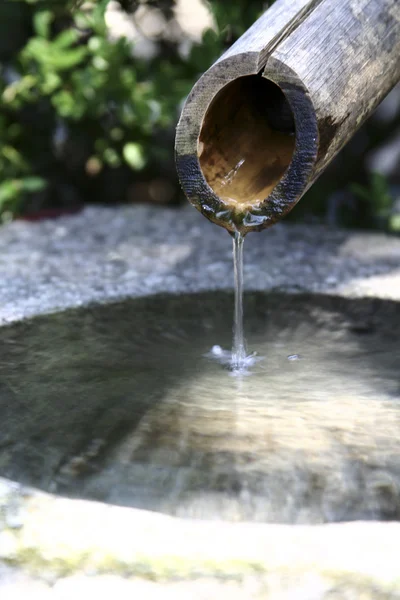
{"x": 239, "y": 344}
{"x": 237, "y": 359}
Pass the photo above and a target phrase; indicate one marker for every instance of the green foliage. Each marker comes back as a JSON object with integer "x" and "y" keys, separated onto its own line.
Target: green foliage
{"x": 16, "y": 179}
{"x": 75, "y": 76}
{"x": 88, "y": 82}
{"x": 75, "y": 83}
{"x": 379, "y": 198}
{"x": 232, "y": 19}
{"x": 377, "y": 193}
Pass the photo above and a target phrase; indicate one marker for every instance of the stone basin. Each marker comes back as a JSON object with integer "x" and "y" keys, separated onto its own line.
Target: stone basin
{"x": 132, "y": 462}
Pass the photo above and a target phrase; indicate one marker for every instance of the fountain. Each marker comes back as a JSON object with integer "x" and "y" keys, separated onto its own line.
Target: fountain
{"x": 125, "y": 453}
{"x": 131, "y": 461}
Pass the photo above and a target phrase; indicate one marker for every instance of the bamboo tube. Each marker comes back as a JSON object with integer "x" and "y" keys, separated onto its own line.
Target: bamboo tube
{"x": 265, "y": 120}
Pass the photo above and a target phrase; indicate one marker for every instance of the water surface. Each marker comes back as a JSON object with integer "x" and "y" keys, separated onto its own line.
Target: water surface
{"x": 120, "y": 403}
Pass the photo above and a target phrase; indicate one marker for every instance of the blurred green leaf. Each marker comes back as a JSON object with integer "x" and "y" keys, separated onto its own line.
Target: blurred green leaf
{"x": 9, "y": 191}
{"x": 65, "y": 39}
{"x": 233, "y": 18}
{"x": 14, "y": 157}
{"x": 51, "y": 81}
{"x": 134, "y": 155}
{"x": 360, "y": 191}
{"x": 377, "y": 195}
{"x": 41, "y": 23}
{"x": 111, "y": 157}
{"x": 51, "y": 55}
{"x": 20, "y": 90}
{"x": 394, "y": 223}
{"x": 33, "y": 184}
{"x": 12, "y": 189}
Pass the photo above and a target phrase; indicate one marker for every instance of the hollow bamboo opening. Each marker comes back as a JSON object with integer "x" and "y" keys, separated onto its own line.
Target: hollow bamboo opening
{"x": 247, "y": 141}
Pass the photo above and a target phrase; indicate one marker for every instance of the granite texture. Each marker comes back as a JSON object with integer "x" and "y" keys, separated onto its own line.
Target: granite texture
{"x": 104, "y": 254}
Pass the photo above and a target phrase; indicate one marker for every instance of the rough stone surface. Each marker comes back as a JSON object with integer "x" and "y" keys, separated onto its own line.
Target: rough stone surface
{"x": 105, "y": 254}
{"x": 163, "y": 556}
{"x": 57, "y": 548}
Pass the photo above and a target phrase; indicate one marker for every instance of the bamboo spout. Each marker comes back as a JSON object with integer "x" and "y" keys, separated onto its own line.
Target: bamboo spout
{"x": 266, "y": 119}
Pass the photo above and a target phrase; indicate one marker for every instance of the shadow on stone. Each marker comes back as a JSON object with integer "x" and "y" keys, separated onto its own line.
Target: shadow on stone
{"x": 118, "y": 403}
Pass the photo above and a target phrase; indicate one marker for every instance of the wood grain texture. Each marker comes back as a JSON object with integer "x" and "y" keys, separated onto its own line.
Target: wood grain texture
{"x": 334, "y": 60}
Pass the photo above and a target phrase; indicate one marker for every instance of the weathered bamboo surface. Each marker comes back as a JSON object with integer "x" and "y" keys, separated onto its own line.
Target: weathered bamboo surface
{"x": 333, "y": 60}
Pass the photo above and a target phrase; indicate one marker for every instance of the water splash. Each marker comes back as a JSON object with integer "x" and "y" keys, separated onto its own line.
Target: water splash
{"x": 237, "y": 359}
{"x": 224, "y": 357}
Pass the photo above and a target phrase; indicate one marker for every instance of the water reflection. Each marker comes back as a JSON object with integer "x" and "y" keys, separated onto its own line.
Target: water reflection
{"x": 119, "y": 404}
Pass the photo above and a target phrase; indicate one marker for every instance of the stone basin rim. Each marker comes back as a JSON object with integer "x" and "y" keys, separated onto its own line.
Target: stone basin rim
{"x": 45, "y": 273}
{"x": 163, "y": 548}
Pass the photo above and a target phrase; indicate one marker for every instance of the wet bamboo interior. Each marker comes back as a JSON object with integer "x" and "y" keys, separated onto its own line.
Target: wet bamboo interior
{"x": 247, "y": 141}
